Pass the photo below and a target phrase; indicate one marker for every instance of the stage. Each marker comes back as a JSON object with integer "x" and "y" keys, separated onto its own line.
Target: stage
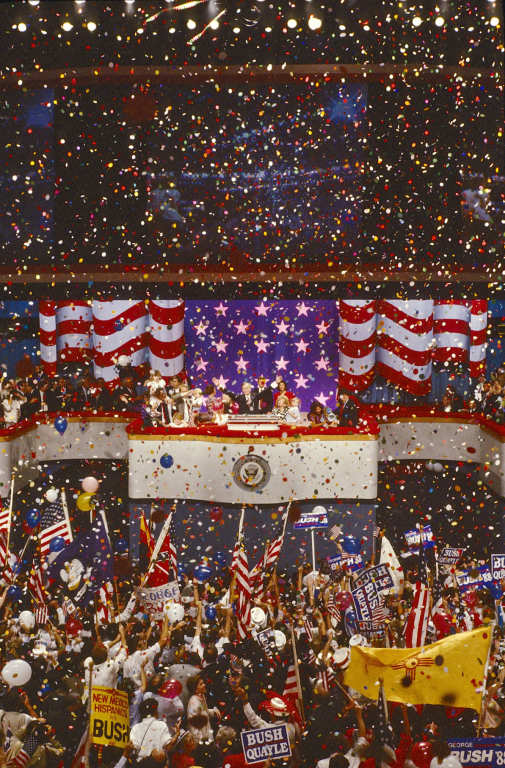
{"x": 243, "y": 466}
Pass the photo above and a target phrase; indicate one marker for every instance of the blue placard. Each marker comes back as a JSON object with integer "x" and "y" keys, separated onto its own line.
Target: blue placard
{"x": 479, "y": 753}
{"x": 263, "y": 743}
{"x": 478, "y": 577}
{"x": 366, "y": 599}
{"x": 379, "y": 575}
{"x": 413, "y": 537}
{"x": 310, "y": 520}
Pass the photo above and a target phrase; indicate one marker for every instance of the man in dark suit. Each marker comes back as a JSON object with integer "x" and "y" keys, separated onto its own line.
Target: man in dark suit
{"x": 263, "y": 397}
{"x": 245, "y": 400}
{"x": 346, "y": 411}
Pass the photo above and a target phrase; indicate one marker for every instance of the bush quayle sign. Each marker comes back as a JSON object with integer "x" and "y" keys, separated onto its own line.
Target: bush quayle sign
{"x": 378, "y": 575}
{"x": 412, "y": 538}
{"x": 498, "y": 567}
{"x": 479, "y": 753}
{"x": 154, "y": 599}
{"x": 449, "y": 556}
{"x": 270, "y": 742}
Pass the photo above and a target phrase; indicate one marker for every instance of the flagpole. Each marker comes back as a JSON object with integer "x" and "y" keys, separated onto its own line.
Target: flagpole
{"x": 90, "y": 693}
{"x": 239, "y": 536}
{"x": 297, "y": 673}
{"x": 313, "y": 550}
{"x": 483, "y": 704}
{"x": 65, "y": 510}
{"x": 9, "y": 525}
{"x": 157, "y": 546}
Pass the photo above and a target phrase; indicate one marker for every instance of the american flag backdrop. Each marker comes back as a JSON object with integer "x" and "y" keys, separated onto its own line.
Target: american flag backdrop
{"x": 54, "y": 522}
{"x": 236, "y": 341}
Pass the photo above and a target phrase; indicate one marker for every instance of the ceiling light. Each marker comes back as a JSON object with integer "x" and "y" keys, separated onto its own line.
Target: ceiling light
{"x": 417, "y": 21}
{"x": 494, "y": 21}
{"x": 236, "y": 30}
{"x": 214, "y": 24}
{"x": 292, "y": 23}
{"x": 91, "y": 26}
{"x": 67, "y": 26}
{"x": 33, "y": 2}
{"x": 191, "y": 24}
{"x": 314, "y": 22}
{"x": 22, "y": 26}
{"x": 439, "y": 21}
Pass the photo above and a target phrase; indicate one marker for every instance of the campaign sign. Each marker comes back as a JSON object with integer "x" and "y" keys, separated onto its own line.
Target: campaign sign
{"x": 266, "y": 639}
{"x": 264, "y": 743}
{"x": 450, "y": 556}
{"x": 311, "y": 520}
{"x": 366, "y": 599}
{"x": 352, "y": 563}
{"x": 154, "y": 599}
{"x": 335, "y": 564}
{"x": 479, "y": 753}
{"x": 379, "y": 575}
{"x": 498, "y": 567}
{"x": 109, "y": 717}
{"x": 476, "y": 577}
{"x": 413, "y": 537}
{"x": 371, "y": 629}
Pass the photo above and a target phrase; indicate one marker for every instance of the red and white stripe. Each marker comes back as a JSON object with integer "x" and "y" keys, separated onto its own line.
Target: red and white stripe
{"x": 404, "y": 343}
{"x": 119, "y": 328}
{"x": 61, "y": 528}
{"x": 105, "y": 611}
{"x": 5, "y": 517}
{"x": 291, "y": 684}
{"x": 451, "y": 329}
{"x": 73, "y": 327}
{"x": 244, "y": 594}
{"x": 357, "y": 337}
{"x": 478, "y": 331}
{"x": 47, "y": 334}
{"x": 166, "y": 339}
{"x": 5, "y": 565}
{"x": 419, "y": 616}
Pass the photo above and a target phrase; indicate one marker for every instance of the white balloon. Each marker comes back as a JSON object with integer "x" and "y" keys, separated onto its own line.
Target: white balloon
{"x": 258, "y": 616}
{"x": 27, "y": 620}
{"x": 319, "y": 510}
{"x": 90, "y": 485}
{"x": 280, "y": 639}
{"x": 51, "y": 495}
{"x": 174, "y": 612}
{"x": 123, "y": 360}
{"x": 437, "y": 467}
{"x": 16, "y": 672}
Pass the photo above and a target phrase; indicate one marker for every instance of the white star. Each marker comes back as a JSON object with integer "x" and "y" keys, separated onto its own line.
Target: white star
{"x": 281, "y": 364}
{"x": 262, "y": 345}
{"x": 220, "y": 383}
{"x": 282, "y": 327}
{"x": 201, "y": 328}
{"x": 301, "y": 382}
{"x": 301, "y": 346}
{"x": 322, "y": 399}
{"x": 262, "y": 309}
{"x": 202, "y": 365}
{"x": 241, "y": 364}
{"x": 322, "y": 327}
{"x": 302, "y": 309}
{"x": 322, "y": 364}
{"x": 220, "y": 345}
{"x": 241, "y": 327}
{"x": 222, "y": 309}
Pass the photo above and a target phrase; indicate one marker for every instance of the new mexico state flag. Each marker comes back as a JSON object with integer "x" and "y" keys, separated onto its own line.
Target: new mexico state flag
{"x": 449, "y": 672}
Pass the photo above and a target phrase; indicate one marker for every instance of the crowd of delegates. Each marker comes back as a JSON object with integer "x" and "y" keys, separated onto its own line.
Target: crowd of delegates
{"x": 194, "y": 684}
{"x": 173, "y": 402}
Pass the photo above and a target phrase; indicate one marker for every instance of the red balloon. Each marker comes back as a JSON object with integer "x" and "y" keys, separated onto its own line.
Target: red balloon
{"x": 170, "y": 689}
{"x": 216, "y": 513}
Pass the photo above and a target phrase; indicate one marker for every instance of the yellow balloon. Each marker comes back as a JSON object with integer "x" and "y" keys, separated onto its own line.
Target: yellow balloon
{"x": 85, "y": 501}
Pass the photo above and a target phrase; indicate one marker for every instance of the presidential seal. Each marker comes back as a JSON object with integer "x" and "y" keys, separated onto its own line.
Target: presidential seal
{"x": 251, "y": 472}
